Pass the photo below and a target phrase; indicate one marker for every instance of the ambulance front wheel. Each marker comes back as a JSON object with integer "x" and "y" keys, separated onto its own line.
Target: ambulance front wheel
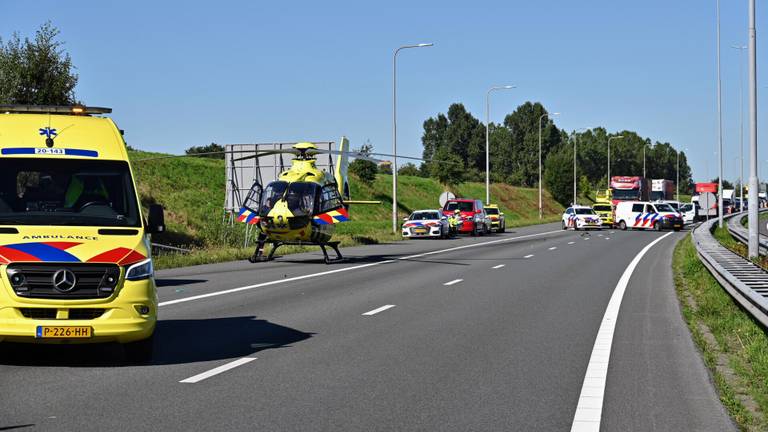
{"x": 564, "y": 226}
{"x": 623, "y": 225}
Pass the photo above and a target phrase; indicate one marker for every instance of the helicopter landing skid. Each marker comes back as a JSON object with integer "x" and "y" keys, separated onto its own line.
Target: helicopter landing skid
{"x": 258, "y": 255}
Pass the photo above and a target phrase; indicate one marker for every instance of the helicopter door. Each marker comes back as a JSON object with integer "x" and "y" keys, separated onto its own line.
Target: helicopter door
{"x": 253, "y": 198}
{"x": 329, "y": 198}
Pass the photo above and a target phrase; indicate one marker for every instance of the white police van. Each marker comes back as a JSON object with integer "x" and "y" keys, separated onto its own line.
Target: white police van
{"x": 647, "y": 215}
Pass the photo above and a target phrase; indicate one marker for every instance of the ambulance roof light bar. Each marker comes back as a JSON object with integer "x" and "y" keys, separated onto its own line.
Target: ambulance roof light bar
{"x": 54, "y": 109}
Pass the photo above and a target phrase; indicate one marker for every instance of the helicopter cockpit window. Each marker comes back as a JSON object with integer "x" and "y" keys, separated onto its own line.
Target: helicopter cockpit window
{"x": 272, "y": 194}
{"x": 300, "y": 198}
{"x": 329, "y": 198}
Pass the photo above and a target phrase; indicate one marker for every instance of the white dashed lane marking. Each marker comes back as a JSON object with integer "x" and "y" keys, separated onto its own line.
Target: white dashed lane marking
{"x": 553, "y": 248}
{"x": 498, "y": 266}
{"x": 528, "y": 256}
{"x": 377, "y": 310}
{"x": 455, "y": 281}
{"x": 217, "y": 370}
{"x": 571, "y": 242}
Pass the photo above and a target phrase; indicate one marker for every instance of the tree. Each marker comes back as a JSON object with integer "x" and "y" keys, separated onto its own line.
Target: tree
{"x": 726, "y": 183}
{"x": 200, "y": 151}
{"x": 408, "y": 169}
{"x": 518, "y": 152}
{"x": 558, "y": 175}
{"x": 364, "y": 169}
{"x": 450, "y": 170}
{"x": 36, "y": 72}
{"x": 457, "y": 133}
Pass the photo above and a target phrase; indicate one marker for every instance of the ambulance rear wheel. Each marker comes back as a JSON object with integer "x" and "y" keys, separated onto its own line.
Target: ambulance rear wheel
{"x": 657, "y": 226}
{"x": 623, "y": 225}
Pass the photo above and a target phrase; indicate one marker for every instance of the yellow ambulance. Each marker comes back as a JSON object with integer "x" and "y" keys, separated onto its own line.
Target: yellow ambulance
{"x": 75, "y": 264}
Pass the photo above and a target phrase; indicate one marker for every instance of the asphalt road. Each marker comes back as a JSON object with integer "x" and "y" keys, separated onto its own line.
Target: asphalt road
{"x": 491, "y": 333}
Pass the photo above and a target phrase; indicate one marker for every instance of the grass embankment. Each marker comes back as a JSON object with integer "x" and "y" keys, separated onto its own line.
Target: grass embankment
{"x": 734, "y": 346}
{"x": 192, "y": 192}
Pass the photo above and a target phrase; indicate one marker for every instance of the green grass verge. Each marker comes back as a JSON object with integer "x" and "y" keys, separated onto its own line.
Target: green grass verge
{"x": 734, "y": 346}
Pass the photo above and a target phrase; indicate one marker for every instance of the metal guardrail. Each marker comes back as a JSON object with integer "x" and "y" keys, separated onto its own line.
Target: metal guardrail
{"x": 741, "y": 232}
{"x": 160, "y": 247}
{"x": 745, "y": 281}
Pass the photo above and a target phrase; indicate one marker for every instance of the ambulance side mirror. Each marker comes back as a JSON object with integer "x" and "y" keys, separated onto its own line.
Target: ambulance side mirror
{"x": 156, "y": 223}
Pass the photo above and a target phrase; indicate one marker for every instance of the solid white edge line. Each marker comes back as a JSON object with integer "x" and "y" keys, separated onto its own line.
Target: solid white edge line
{"x": 345, "y": 269}
{"x": 528, "y": 256}
{"x": 498, "y": 266}
{"x": 377, "y": 310}
{"x": 217, "y": 370}
{"x": 589, "y": 410}
{"x": 455, "y": 281}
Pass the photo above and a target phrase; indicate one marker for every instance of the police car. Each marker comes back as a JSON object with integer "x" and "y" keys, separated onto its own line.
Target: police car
{"x": 647, "y": 215}
{"x": 426, "y": 223}
{"x": 581, "y": 217}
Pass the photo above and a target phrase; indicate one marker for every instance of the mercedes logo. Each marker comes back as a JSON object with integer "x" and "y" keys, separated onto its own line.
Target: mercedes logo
{"x": 64, "y": 280}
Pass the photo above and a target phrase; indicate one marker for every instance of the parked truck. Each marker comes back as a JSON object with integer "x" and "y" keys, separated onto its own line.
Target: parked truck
{"x": 662, "y": 190}
{"x": 629, "y": 188}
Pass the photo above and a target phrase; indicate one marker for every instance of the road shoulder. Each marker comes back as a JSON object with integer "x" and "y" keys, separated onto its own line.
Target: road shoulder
{"x": 657, "y": 379}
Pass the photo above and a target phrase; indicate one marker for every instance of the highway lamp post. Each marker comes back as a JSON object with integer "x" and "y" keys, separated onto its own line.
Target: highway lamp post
{"x": 394, "y": 129}
{"x": 609, "y": 157}
{"x": 487, "y": 139}
{"x": 575, "y": 137}
{"x": 741, "y": 49}
{"x": 753, "y": 182}
{"x": 644, "y": 176}
{"x": 541, "y": 208}
{"x": 719, "y": 127}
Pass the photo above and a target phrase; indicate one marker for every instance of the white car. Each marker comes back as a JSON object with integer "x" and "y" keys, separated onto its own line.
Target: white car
{"x": 689, "y": 213}
{"x": 426, "y": 223}
{"x": 647, "y": 215}
{"x": 581, "y": 217}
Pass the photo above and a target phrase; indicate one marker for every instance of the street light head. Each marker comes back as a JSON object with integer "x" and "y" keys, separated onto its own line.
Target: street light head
{"x": 425, "y": 44}
{"x": 554, "y": 114}
{"x": 619, "y": 136}
{"x": 509, "y": 86}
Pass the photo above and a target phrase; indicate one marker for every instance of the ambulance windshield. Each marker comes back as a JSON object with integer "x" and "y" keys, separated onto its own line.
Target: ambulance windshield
{"x": 49, "y": 191}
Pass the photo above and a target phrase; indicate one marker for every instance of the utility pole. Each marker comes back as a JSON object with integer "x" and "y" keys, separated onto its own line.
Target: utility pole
{"x": 395, "y": 222}
{"x": 753, "y": 247}
{"x": 719, "y": 128}
{"x": 741, "y": 49}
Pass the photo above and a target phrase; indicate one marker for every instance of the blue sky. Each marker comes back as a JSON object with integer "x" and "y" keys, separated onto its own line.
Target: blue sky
{"x": 189, "y": 73}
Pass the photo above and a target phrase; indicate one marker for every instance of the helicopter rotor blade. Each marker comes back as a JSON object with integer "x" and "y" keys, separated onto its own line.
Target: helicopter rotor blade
{"x": 352, "y": 154}
{"x": 367, "y": 156}
{"x": 259, "y": 154}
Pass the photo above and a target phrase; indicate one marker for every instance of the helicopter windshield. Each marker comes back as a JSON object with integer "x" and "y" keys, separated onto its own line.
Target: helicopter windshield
{"x": 272, "y": 194}
{"x": 300, "y": 198}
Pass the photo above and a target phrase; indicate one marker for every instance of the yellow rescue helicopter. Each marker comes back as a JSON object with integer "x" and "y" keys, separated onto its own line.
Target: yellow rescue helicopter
{"x": 304, "y": 204}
